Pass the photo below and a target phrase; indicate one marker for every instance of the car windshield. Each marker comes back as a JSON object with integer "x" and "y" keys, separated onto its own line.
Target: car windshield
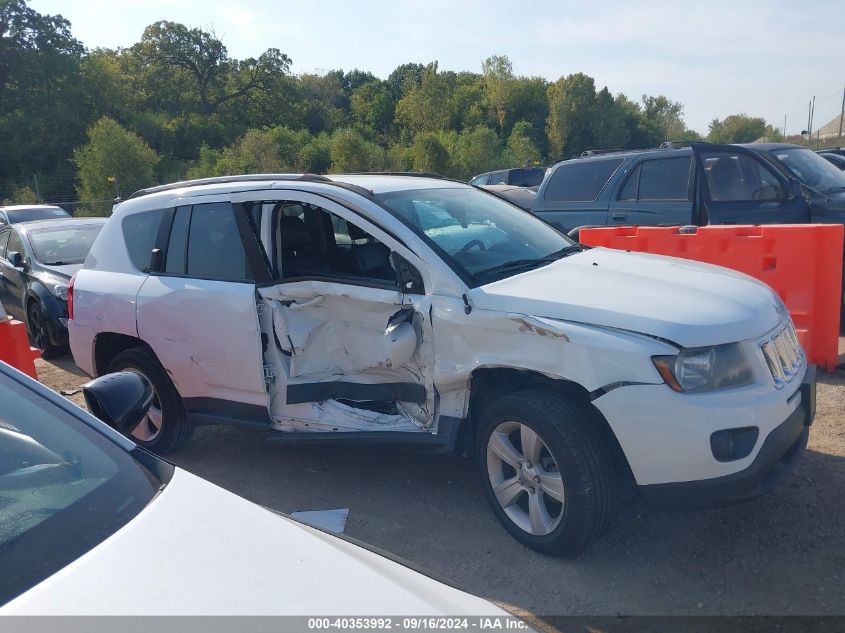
{"x": 479, "y": 234}
{"x": 811, "y": 169}
{"x": 27, "y": 215}
{"x": 64, "y": 487}
{"x": 63, "y": 244}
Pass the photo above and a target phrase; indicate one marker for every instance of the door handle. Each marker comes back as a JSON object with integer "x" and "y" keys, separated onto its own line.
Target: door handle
{"x": 619, "y": 216}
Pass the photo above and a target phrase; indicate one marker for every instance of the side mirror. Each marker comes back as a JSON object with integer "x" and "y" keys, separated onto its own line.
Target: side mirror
{"x": 795, "y": 189}
{"x": 121, "y": 400}
{"x": 16, "y": 259}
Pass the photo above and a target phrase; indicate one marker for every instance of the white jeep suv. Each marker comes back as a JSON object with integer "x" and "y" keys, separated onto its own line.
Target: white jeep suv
{"x": 425, "y": 312}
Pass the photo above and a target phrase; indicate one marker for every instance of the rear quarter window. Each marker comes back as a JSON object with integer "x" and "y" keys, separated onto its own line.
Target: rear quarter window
{"x": 580, "y": 182}
{"x": 139, "y": 232}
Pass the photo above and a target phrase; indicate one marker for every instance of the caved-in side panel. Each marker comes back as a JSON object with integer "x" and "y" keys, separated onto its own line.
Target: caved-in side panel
{"x": 591, "y": 357}
{"x": 326, "y": 339}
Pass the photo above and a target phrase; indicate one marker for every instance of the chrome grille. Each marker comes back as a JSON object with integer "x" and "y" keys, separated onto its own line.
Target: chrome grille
{"x": 783, "y": 354}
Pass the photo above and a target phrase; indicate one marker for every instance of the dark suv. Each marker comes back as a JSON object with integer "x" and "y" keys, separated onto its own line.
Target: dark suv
{"x": 764, "y": 183}
{"x": 518, "y": 177}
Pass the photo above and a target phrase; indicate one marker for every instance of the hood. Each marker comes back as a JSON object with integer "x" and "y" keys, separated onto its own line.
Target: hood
{"x": 686, "y": 302}
{"x": 62, "y": 272}
{"x": 199, "y": 550}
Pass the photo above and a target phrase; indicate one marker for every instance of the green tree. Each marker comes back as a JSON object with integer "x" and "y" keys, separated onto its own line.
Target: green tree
{"x": 428, "y": 154}
{"x": 474, "y": 151}
{"x": 663, "y": 118}
{"x": 736, "y": 128}
{"x": 218, "y": 78}
{"x": 521, "y": 149}
{"x": 43, "y": 105}
{"x": 112, "y": 152}
{"x": 351, "y": 152}
{"x": 499, "y": 87}
{"x": 571, "y": 105}
{"x": 21, "y": 195}
{"x": 424, "y": 108}
{"x": 373, "y": 107}
{"x": 609, "y": 124}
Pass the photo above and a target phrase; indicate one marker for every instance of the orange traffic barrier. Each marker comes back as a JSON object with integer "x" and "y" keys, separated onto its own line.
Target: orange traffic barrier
{"x": 801, "y": 262}
{"x": 14, "y": 345}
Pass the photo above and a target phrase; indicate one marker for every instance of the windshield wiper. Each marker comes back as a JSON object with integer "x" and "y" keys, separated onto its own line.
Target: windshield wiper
{"x": 59, "y": 263}
{"x": 527, "y": 264}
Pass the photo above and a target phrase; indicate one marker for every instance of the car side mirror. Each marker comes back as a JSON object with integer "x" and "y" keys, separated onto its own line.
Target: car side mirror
{"x": 121, "y": 400}
{"x": 795, "y": 189}
{"x": 16, "y": 259}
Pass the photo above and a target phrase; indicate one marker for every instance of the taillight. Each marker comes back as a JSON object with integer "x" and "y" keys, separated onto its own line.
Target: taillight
{"x": 70, "y": 297}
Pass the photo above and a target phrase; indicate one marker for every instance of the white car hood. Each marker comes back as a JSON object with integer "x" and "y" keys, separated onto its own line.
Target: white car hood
{"x": 199, "y": 550}
{"x": 689, "y": 303}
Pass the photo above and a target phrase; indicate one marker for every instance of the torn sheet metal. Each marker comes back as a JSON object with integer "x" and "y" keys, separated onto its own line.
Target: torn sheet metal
{"x": 330, "y": 520}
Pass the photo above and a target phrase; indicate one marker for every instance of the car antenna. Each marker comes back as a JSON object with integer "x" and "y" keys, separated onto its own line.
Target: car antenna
{"x": 467, "y": 306}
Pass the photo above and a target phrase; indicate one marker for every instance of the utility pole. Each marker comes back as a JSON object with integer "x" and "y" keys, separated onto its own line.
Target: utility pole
{"x": 812, "y": 115}
{"x": 38, "y": 193}
{"x": 784, "y": 127}
{"x": 809, "y": 116}
{"x": 842, "y": 113}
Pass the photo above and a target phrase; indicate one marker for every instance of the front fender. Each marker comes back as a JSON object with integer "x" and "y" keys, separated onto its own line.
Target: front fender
{"x": 593, "y": 357}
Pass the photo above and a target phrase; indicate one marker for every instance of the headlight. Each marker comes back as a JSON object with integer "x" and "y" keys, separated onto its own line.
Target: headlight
{"x": 705, "y": 369}
{"x": 60, "y": 291}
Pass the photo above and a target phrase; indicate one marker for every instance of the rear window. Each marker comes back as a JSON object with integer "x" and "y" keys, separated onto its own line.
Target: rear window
{"x": 659, "y": 179}
{"x": 580, "y": 181}
{"x": 140, "y": 231}
{"x": 27, "y": 215}
{"x": 527, "y": 177}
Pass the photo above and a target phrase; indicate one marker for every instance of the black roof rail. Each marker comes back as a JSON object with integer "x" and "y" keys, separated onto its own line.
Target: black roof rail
{"x": 599, "y": 152}
{"x": 416, "y": 174}
{"x": 227, "y": 179}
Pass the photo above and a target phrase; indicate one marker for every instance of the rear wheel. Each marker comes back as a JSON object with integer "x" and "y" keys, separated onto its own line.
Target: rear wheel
{"x": 166, "y": 426}
{"x": 39, "y": 333}
{"x": 546, "y": 470}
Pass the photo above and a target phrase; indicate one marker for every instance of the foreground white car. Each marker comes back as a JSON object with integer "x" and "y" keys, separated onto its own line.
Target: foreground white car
{"x": 426, "y": 312}
{"x": 93, "y": 525}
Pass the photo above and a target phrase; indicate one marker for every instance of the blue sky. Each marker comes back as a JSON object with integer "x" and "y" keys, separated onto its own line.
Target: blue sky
{"x": 717, "y": 57}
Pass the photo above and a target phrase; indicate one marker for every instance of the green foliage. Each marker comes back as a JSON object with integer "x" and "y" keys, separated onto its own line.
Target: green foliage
{"x": 179, "y": 95}
{"x": 112, "y": 152}
{"x": 736, "y": 128}
{"x": 21, "y": 195}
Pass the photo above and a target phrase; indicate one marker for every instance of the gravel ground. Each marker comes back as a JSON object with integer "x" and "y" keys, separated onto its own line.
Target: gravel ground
{"x": 782, "y": 554}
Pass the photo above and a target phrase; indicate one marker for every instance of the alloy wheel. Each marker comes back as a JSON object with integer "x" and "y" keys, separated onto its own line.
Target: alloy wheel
{"x": 525, "y": 478}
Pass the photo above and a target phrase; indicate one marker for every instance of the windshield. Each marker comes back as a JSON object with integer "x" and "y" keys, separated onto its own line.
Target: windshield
{"x": 811, "y": 169}
{"x": 63, "y": 244}
{"x": 64, "y": 488}
{"x": 27, "y": 215}
{"x": 480, "y": 235}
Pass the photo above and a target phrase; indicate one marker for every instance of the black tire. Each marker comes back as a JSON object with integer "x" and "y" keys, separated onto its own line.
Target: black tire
{"x": 175, "y": 426}
{"x": 40, "y": 335}
{"x": 570, "y": 434}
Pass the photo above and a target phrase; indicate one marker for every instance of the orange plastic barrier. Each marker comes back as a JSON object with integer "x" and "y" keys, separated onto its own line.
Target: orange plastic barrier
{"x": 801, "y": 262}
{"x": 14, "y": 346}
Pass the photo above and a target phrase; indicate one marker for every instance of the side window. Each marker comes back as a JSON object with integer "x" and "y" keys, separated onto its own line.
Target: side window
{"x": 318, "y": 243}
{"x": 664, "y": 179}
{"x": 4, "y": 237}
{"x": 739, "y": 178}
{"x": 139, "y": 232}
{"x": 215, "y": 248}
{"x": 177, "y": 245}
{"x": 629, "y": 191}
{"x": 580, "y": 181}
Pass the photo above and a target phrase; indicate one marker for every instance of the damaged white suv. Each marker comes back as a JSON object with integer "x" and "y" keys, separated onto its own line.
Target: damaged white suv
{"x": 424, "y": 312}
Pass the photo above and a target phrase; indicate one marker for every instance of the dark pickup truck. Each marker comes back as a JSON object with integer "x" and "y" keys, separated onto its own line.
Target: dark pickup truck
{"x": 763, "y": 183}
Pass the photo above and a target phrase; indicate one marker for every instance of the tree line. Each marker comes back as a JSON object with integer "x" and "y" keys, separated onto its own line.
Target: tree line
{"x": 90, "y": 124}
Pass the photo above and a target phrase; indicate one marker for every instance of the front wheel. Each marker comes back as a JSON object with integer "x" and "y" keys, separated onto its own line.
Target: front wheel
{"x": 546, "y": 470}
{"x": 166, "y": 425}
{"x": 40, "y": 334}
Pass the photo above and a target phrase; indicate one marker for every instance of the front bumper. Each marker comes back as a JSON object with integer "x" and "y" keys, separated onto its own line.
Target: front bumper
{"x": 777, "y": 456}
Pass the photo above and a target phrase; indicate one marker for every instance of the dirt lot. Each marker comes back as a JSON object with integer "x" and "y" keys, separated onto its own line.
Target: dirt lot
{"x": 782, "y": 554}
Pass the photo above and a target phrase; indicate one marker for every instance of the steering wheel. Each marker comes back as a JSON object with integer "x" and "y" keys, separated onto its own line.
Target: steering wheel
{"x": 472, "y": 243}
